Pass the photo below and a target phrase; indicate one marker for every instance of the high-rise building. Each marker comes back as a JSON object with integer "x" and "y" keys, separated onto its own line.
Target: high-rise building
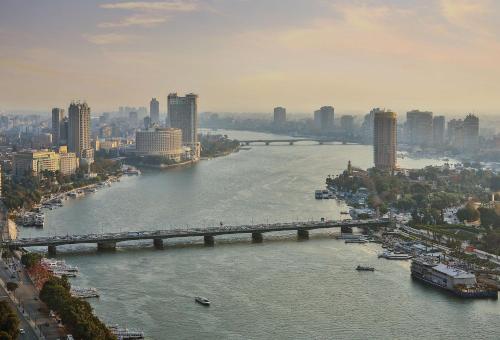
{"x": 419, "y": 127}
{"x": 79, "y": 131}
{"x": 57, "y": 121}
{"x": 384, "y": 140}
{"x": 63, "y": 137}
{"x": 279, "y": 115}
{"x": 367, "y": 126}
{"x": 454, "y": 133}
{"x": 471, "y": 133}
{"x": 154, "y": 111}
{"x": 183, "y": 114}
{"x": 347, "y": 124}
{"x": 166, "y": 142}
{"x": 438, "y": 128}
{"x": 133, "y": 118}
{"x": 323, "y": 118}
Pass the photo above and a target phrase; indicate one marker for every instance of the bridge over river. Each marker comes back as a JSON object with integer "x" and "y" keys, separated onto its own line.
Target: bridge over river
{"x": 108, "y": 241}
{"x": 292, "y": 141}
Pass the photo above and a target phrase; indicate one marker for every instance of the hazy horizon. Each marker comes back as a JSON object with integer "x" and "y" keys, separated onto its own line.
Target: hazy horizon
{"x": 249, "y": 56}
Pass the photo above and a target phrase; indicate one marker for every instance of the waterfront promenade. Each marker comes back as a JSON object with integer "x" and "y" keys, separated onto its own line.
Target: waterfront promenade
{"x": 107, "y": 241}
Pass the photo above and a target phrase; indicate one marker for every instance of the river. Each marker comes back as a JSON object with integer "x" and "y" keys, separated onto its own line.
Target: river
{"x": 279, "y": 289}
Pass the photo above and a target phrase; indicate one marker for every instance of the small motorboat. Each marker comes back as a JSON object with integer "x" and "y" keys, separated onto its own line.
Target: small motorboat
{"x": 202, "y": 300}
{"x": 365, "y": 269}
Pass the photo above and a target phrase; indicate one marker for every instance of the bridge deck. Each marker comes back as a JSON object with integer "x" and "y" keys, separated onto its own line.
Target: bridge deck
{"x": 177, "y": 233}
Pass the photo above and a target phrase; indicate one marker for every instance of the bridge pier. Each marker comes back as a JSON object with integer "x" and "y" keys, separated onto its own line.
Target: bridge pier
{"x": 267, "y": 143}
{"x": 346, "y": 230}
{"x": 209, "y": 240}
{"x": 247, "y": 143}
{"x": 158, "y": 243}
{"x": 302, "y": 234}
{"x": 291, "y": 143}
{"x": 52, "y": 250}
{"x": 257, "y": 238}
{"x": 321, "y": 143}
{"x": 106, "y": 246}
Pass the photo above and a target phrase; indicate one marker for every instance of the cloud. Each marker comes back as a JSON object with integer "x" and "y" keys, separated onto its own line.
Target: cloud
{"x": 173, "y": 6}
{"x": 107, "y": 39}
{"x": 135, "y": 20}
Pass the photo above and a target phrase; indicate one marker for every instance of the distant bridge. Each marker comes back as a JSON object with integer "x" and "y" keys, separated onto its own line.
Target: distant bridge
{"x": 108, "y": 241}
{"x": 291, "y": 141}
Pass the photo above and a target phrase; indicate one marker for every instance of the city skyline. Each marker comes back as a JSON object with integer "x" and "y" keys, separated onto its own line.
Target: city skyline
{"x": 317, "y": 53}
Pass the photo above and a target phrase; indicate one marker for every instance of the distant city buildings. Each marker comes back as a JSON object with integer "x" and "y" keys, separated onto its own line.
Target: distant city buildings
{"x": 279, "y": 115}
{"x": 323, "y": 119}
{"x": 367, "y": 126}
{"x": 133, "y": 119}
{"x": 154, "y": 111}
{"x": 165, "y": 142}
{"x": 384, "y": 140}
{"x": 471, "y": 133}
{"x": 347, "y": 124}
{"x": 438, "y": 131}
{"x": 419, "y": 128}
{"x": 79, "y": 132}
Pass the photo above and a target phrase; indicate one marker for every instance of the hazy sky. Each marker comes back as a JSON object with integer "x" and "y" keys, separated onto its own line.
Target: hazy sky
{"x": 252, "y": 55}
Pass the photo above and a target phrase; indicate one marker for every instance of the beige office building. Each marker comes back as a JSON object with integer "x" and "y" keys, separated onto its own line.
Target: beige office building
{"x": 68, "y": 163}
{"x": 384, "y": 140}
{"x": 166, "y": 142}
{"x": 35, "y": 162}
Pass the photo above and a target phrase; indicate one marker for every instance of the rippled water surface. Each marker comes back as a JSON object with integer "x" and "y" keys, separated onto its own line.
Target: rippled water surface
{"x": 280, "y": 289}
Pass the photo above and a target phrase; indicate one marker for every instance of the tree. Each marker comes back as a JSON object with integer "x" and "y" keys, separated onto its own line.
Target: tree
{"x": 9, "y": 322}
{"x": 30, "y": 259}
{"x": 469, "y": 213}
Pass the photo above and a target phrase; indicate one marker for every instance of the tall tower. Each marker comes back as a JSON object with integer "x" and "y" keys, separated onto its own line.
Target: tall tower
{"x": 384, "y": 140}
{"x": 183, "y": 114}
{"x": 438, "y": 128}
{"x": 57, "y": 121}
{"x": 471, "y": 133}
{"x": 79, "y": 131}
{"x": 154, "y": 111}
{"x": 279, "y": 115}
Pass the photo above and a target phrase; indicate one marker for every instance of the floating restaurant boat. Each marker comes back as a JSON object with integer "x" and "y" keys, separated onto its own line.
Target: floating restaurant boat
{"x": 450, "y": 278}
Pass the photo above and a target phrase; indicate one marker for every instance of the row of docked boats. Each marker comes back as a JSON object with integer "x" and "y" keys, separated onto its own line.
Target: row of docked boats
{"x": 59, "y": 268}
{"x": 31, "y": 219}
{"x": 324, "y": 194}
{"x": 389, "y": 255}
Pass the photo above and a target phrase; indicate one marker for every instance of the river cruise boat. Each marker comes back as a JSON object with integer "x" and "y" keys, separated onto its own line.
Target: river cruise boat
{"x": 365, "y": 269}
{"x": 393, "y": 256}
{"x": 202, "y": 300}
{"x": 450, "y": 278}
{"x": 126, "y": 334}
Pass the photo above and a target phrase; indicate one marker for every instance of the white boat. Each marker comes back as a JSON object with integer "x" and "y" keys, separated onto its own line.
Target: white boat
{"x": 84, "y": 293}
{"x": 392, "y": 256}
{"x": 202, "y": 300}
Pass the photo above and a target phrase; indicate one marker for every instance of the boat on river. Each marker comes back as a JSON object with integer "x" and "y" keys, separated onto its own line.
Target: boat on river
{"x": 202, "y": 300}
{"x": 365, "y": 269}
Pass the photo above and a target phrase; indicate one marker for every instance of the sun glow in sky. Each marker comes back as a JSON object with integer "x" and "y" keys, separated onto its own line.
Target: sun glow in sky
{"x": 252, "y": 55}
